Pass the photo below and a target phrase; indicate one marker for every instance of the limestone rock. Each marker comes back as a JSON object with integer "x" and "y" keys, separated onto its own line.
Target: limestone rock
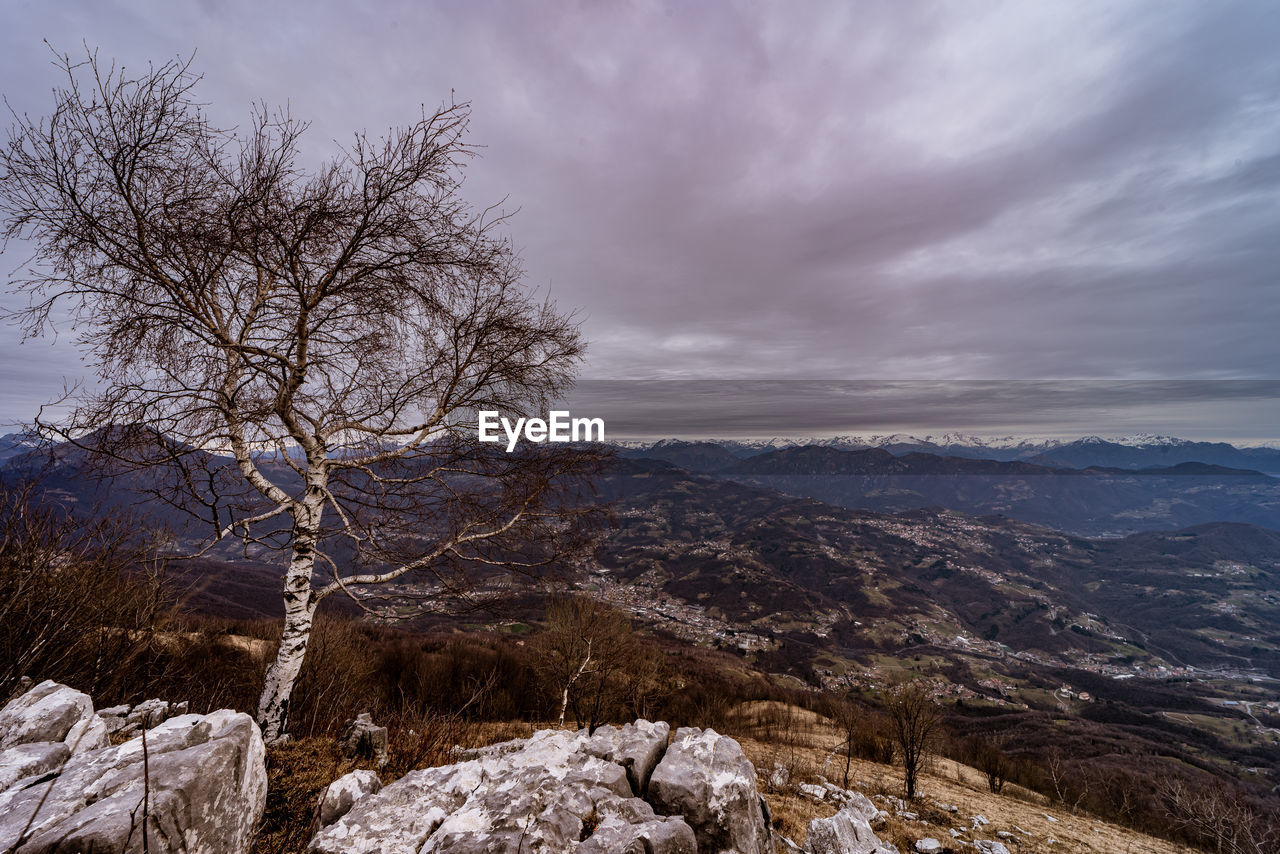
{"x": 837, "y": 794}
{"x": 988, "y": 847}
{"x": 114, "y": 717}
{"x": 145, "y": 715}
{"x": 846, "y": 832}
{"x": 861, "y": 806}
{"x": 206, "y": 785}
{"x": 637, "y": 747}
{"x": 616, "y": 834}
{"x": 87, "y": 734}
{"x": 31, "y": 760}
{"x": 547, "y": 793}
{"x": 342, "y": 794}
{"x": 779, "y": 777}
{"x": 706, "y": 778}
{"x": 363, "y": 738}
{"x": 45, "y": 713}
{"x": 928, "y": 846}
{"x": 818, "y": 793}
{"x": 556, "y": 792}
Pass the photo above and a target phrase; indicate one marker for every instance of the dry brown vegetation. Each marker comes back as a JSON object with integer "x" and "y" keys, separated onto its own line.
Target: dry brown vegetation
{"x": 806, "y": 744}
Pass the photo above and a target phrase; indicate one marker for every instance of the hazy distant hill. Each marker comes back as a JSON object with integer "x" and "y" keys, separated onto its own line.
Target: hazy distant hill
{"x": 1099, "y": 452}
{"x": 793, "y": 567}
{"x": 694, "y": 456}
{"x": 12, "y": 445}
{"x": 1092, "y": 502}
{"x": 847, "y": 579}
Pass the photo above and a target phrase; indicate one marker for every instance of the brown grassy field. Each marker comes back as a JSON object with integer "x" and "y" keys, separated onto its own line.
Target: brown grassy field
{"x": 771, "y": 734}
{"x": 802, "y": 742}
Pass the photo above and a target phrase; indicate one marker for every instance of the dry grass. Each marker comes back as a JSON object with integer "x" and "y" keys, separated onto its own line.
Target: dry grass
{"x": 799, "y": 740}
{"x": 299, "y": 771}
{"x": 802, "y": 742}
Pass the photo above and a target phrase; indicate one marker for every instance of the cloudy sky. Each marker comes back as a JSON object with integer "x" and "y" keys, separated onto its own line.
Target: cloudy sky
{"x": 885, "y": 191}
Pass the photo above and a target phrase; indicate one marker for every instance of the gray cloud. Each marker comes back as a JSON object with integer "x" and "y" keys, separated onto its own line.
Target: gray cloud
{"x": 912, "y": 191}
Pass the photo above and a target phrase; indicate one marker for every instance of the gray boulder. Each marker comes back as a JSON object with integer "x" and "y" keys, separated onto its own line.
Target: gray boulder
{"x": 556, "y": 791}
{"x": 31, "y": 760}
{"x": 341, "y": 795}
{"x": 46, "y": 713}
{"x": 779, "y": 777}
{"x": 861, "y": 806}
{"x": 145, "y": 715}
{"x": 636, "y": 747}
{"x": 114, "y": 717}
{"x": 617, "y": 835}
{"x": 988, "y": 846}
{"x": 817, "y": 793}
{"x": 846, "y": 832}
{"x": 928, "y": 846}
{"x": 205, "y": 788}
{"x": 362, "y": 738}
{"x": 705, "y": 777}
{"x": 87, "y": 734}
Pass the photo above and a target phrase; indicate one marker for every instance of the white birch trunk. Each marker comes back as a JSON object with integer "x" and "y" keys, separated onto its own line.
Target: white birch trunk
{"x": 582, "y": 668}
{"x": 299, "y": 612}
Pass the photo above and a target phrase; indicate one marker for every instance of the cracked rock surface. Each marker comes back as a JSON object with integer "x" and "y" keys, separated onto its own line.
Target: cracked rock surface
{"x": 622, "y": 789}
{"x": 64, "y": 788}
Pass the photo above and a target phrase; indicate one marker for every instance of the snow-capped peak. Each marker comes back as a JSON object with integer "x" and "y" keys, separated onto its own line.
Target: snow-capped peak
{"x": 1142, "y": 440}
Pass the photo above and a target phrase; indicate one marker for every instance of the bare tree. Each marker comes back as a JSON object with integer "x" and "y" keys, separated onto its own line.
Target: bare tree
{"x": 583, "y": 655}
{"x": 850, "y": 721}
{"x": 1070, "y": 782}
{"x": 914, "y": 720}
{"x": 300, "y": 351}
{"x": 988, "y": 756}
{"x": 80, "y": 601}
{"x": 1218, "y": 816}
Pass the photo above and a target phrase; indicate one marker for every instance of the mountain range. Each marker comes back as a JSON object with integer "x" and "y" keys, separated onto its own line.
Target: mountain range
{"x": 753, "y": 547}
{"x": 839, "y": 579}
{"x": 1130, "y": 452}
{"x": 1102, "y": 499}
{"x": 1161, "y": 628}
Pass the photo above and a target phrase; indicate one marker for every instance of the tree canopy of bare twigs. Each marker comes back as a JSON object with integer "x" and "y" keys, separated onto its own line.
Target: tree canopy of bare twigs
{"x": 914, "y": 719}
{"x": 1219, "y": 818}
{"x": 301, "y": 349}
{"x": 586, "y": 654}
{"x": 80, "y": 602}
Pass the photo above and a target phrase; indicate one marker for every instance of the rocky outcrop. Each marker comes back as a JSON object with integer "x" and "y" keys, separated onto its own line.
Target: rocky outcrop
{"x": 49, "y": 713}
{"x": 705, "y": 777}
{"x": 203, "y": 789}
{"x": 341, "y": 795}
{"x": 636, "y": 747}
{"x": 363, "y": 739}
{"x": 619, "y": 790}
{"x": 129, "y": 720}
{"x": 846, "y": 832}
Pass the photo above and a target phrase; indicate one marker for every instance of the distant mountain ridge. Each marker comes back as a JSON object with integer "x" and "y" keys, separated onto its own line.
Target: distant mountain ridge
{"x": 13, "y": 445}
{"x": 1139, "y": 451}
{"x": 1105, "y": 494}
{"x": 831, "y": 578}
